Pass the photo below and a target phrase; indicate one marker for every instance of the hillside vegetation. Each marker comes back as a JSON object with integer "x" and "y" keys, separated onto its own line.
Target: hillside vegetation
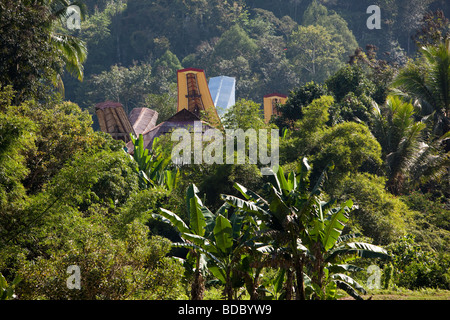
{"x": 361, "y": 196}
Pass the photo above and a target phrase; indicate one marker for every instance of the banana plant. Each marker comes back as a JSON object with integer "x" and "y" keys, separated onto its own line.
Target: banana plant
{"x": 308, "y": 231}
{"x": 153, "y": 166}
{"x": 335, "y": 266}
{"x": 217, "y": 241}
{"x": 328, "y": 252}
{"x": 283, "y": 217}
{"x": 200, "y": 222}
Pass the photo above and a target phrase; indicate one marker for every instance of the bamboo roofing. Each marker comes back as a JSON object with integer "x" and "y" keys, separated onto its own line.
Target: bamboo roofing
{"x": 113, "y": 120}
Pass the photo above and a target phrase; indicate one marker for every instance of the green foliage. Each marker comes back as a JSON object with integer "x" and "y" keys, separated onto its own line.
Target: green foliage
{"x": 154, "y": 167}
{"x": 427, "y": 80}
{"x": 128, "y": 86}
{"x": 7, "y": 290}
{"x": 298, "y": 99}
{"x": 349, "y": 145}
{"x": 352, "y": 90}
{"x": 72, "y": 196}
{"x": 16, "y": 139}
{"x": 380, "y": 215}
{"x": 132, "y": 267}
{"x": 216, "y": 242}
{"x": 314, "y": 52}
{"x": 167, "y": 63}
{"x": 306, "y": 231}
{"x": 38, "y": 62}
{"x": 415, "y": 268}
{"x": 245, "y": 114}
{"x": 64, "y": 130}
{"x": 317, "y": 14}
{"x": 68, "y": 198}
{"x": 432, "y": 230}
{"x": 164, "y": 103}
{"x": 233, "y": 43}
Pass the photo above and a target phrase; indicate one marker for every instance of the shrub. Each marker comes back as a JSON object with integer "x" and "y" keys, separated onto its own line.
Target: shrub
{"x": 415, "y": 268}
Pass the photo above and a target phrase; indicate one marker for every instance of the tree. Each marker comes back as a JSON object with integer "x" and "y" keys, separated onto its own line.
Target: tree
{"x": 427, "y": 81}
{"x": 200, "y": 222}
{"x": 29, "y": 62}
{"x": 235, "y": 42}
{"x": 381, "y": 216}
{"x": 129, "y": 86}
{"x": 407, "y": 156}
{"x": 164, "y": 103}
{"x": 17, "y": 137}
{"x": 154, "y": 166}
{"x": 167, "y": 63}
{"x": 317, "y": 14}
{"x": 64, "y": 130}
{"x": 378, "y": 71}
{"x": 350, "y": 145}
{"x": 297, "y": 100}
{"x": 71, "y": 49}
{"x": 353, "y": 91}
{"x": 302, "y": 230}
{"x": 245, "y": 114}
{"x": 434, "y": 29}
{"x": 283, "y": 223}
{"x": 314, "y": 53}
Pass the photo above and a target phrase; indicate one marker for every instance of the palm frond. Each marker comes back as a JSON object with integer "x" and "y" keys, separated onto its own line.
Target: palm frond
{"x": 73, "y": 52}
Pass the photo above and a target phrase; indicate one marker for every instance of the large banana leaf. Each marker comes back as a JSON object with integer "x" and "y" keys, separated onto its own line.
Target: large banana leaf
{"x": 248, "y": 206}
{"x": 190, "y": 245}
{"x": 196, "y": 218}
{"x": 339, "y": 268}
{"x": 360, "y": 249}
{"x": 191, "y": 191}
{"x": 196, "y": 239}
{"x": 223, "y": 234}
{"x": 349, "y": 280}
{"x": 335, "y": 224}
{"x": 173, "y": 219}
{"x": 368, "y": 250}
{"x": 283, "y": 184}
{"x": 217, "y": 272}
{"x": 349, "y": 285}
{"x": 277, "y": 206}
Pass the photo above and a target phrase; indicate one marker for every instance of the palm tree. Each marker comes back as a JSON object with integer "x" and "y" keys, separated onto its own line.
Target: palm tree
{"x": 428, "y": 83}
{"x": 404, "y": 149}
{"x": 72, "y": 50}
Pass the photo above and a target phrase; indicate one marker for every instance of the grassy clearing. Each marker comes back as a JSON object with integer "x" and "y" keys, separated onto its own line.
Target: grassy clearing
{"x": 405, "y": 294}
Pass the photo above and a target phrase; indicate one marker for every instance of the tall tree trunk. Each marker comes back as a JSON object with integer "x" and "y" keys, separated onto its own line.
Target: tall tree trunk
{"x": 300, "y": 288}
{"x": 318, "y": 266}
{"x": 198, "y": 286}
{"x": 289, "y": 280}
{"x": 228, "y": 287}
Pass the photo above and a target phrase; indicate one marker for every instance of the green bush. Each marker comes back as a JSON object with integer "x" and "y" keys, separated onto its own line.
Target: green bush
{"x": 415, "y": 268}
{"x": 132, "y": 267}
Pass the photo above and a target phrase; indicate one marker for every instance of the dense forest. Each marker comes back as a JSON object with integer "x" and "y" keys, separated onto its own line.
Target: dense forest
{"x": 363, "y": 181}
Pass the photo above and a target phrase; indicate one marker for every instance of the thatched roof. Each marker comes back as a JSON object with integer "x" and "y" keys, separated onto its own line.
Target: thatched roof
{"x": 113, "y": 120}
{"x": 143, "y": 119}
{"x": 182, "y": 119}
